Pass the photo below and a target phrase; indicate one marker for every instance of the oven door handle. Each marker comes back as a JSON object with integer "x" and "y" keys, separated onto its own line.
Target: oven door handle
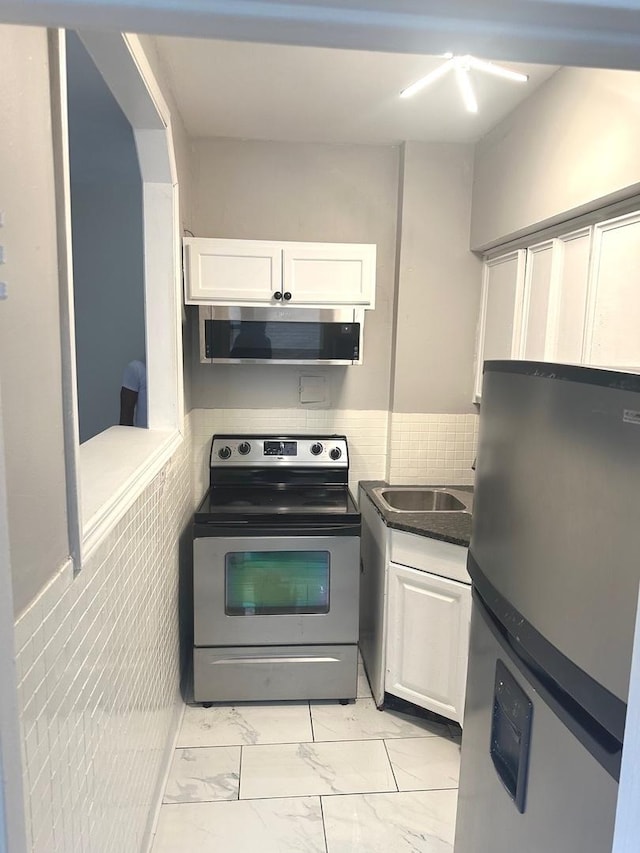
{"x": 288, "y": 659}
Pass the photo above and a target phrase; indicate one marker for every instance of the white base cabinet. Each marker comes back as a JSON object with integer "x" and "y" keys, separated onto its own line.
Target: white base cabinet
{"x": 415, "y": 612}
{"x": 427, "y": 640}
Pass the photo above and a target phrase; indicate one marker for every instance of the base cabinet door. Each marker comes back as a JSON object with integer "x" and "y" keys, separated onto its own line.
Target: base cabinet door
{"x": 428, "y": 640}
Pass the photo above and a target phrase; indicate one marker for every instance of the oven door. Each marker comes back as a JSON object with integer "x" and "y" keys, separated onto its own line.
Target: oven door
{"x": 276, "y": 590}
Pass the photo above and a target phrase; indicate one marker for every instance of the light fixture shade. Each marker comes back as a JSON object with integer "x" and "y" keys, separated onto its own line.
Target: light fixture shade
{"x": 427, "y": 80}
{"x": 496, "y": 70}
{"x": 462, "y": 65}
{"x": 466, "y": 89}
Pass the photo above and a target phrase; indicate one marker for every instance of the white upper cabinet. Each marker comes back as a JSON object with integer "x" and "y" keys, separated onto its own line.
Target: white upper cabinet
{"x": 262, "y": 273}
{"x": 236, "y": 272}
{"x": 329, "y": 273}
{"x": 540, "y": 271}
{"x": 613, "y": 315}
{"x": 580, "y": 300}
{"x": 501, "y": 311}
{"x": 568, "y": 300}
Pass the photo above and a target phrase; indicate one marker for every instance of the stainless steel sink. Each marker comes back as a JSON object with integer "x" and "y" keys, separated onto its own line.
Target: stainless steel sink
{"x": 416, "y": 499}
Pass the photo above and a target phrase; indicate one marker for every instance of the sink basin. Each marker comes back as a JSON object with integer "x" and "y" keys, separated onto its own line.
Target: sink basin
{"x": 420, "y": 500}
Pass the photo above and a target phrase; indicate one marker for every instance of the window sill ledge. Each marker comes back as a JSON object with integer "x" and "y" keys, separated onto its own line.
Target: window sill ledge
{"x": 115, "y": 467}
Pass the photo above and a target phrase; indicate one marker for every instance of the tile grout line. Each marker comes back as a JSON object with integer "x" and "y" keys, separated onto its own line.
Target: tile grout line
{"x": 324, "y": 826}
{"x": 393, "y": 772}
{"x": 313, "y": 734}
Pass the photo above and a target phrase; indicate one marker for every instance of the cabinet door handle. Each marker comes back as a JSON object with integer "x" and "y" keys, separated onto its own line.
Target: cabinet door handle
{"x": 277, "y": 295}
{"x": 287, "y": 295}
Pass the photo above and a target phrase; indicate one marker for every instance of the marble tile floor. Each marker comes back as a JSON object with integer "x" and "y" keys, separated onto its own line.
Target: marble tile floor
{"x": 310, "y": 777}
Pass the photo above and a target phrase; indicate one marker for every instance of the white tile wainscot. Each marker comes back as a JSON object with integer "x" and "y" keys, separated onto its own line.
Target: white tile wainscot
{"x": 98, "y": 667}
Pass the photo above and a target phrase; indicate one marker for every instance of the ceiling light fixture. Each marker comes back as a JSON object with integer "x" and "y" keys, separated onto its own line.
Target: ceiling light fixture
{"x": 462, "y": 65}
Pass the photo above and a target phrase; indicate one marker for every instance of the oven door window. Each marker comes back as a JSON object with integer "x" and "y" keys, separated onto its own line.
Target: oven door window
{"x": 276, "y": 583}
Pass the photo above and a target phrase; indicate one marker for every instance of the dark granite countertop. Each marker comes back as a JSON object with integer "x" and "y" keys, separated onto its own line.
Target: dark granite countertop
{"x": 454, "y": 527}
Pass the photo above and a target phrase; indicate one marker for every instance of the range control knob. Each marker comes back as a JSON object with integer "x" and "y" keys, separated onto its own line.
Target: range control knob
{"x": 244, "y": 448}
{"x": 224, "y": 452}
{"x": 335, "y": 453}
{"x": 316, "y": 448}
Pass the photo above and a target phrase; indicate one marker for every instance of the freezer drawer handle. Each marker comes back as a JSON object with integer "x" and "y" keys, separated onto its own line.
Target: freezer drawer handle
{"x": 292, "y": 659}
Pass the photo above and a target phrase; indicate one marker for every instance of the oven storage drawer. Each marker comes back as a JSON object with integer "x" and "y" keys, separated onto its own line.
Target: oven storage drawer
{"x": 254, "y": 673}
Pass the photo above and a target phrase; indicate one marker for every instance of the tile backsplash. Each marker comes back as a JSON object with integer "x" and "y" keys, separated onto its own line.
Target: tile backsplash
{"x": 398, "y": 447}
{"x": 432, "y": 448}
{"x": 98, "y": 668}
{"x": 366, "y": 432}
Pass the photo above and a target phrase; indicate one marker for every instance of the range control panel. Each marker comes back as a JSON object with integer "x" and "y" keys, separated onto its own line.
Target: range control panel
{"x": 328, "y": 451}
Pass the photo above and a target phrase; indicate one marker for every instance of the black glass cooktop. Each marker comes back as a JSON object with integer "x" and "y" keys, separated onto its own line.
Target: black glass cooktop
{"x": 239, "y": 502}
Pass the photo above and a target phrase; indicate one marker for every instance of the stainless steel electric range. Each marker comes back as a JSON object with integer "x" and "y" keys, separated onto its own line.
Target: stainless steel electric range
{"x": 276, "y": 571}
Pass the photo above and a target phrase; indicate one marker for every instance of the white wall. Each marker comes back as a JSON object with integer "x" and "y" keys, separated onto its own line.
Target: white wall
{"x": 280, "y": 191}
{"x": 30, "y": 370}
{"x": 438, "y": 282}
{"x": 569, "y": 148}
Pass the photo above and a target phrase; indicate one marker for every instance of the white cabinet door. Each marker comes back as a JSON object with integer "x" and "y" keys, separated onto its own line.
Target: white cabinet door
{"x": 613, "y": 316}
{"x": 427, "y": 640}
{"x": 231, "y": 272}
{"x": 568, "y": 299}
{"x": 501, "y": 311}
{"x": 541, "y": 269}
{"x": 329, "y": 274}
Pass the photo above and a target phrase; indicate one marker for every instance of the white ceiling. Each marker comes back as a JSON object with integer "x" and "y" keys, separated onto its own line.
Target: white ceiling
{"x": 309, "y": 94}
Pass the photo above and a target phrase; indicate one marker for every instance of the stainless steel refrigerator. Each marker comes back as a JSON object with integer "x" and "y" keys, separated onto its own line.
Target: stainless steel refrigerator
{"x": 555, "y": 563}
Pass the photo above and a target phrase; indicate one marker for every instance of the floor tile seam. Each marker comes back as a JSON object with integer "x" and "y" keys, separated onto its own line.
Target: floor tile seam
{"x": 263, "y": 799}
{"x": 426, "y": 790}
{"x": 302, "y": 796}
{"x": 316, "y": 742}
{"x": 393, "y": 772}
{"x": 446, "y": 739}
{"x": 337, "y": 740}
{"x": 313, "y": 733}
{"x": 324, "y": 826}
{"x": 379, "y": 793}
{"x": 196, "y": 802}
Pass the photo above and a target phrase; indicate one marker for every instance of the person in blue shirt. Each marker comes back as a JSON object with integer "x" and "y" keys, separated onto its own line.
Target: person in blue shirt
{"x": 133, "y": 395}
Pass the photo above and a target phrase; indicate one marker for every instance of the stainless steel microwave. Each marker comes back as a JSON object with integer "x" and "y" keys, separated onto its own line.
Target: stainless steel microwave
{"x": 237, "y": 335}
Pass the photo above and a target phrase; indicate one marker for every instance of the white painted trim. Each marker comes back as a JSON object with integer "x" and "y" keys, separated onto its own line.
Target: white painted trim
{"x": 517, "y": 303}
{"x": 482, "y": 322}
{"x": 163, "y": 777}
{"x": 12, "y": 816}
{"x": 60, "y": 136}
{"x": 92, "y": 510}
{"x": 583, "y": 32}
